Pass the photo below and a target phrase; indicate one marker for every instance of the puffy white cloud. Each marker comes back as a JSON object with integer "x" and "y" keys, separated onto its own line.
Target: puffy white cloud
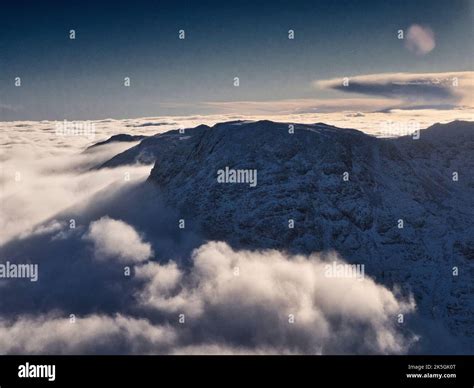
{"x": 214, "y": 349}
{"x": 419, "y": 39}
{"x": 234, "y": 302}
{"x": 244, "y": 299}
{"x": 87, "y": 335}
{"x": 114, "y": 239}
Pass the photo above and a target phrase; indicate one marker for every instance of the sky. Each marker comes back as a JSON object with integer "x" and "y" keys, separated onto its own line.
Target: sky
{"x": 83, "y": 78}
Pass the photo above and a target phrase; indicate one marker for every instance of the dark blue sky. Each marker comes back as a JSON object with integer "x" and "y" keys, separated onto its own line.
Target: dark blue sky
{"x": 83, "y": 78}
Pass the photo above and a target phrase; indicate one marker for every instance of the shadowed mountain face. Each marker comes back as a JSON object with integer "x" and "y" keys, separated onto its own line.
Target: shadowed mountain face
{"x": 403, "y": 206}
{"x": 118, "y": 138}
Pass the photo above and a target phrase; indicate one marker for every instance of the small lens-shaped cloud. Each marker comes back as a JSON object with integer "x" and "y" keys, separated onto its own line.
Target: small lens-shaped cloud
{"x": 420, "y": 39}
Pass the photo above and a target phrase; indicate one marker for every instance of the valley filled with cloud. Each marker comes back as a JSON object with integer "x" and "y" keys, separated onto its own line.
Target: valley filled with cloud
{"x": 118, "y": 276}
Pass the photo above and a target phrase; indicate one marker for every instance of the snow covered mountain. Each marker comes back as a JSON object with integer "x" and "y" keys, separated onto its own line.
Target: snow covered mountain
{"x": 402, "y": 206}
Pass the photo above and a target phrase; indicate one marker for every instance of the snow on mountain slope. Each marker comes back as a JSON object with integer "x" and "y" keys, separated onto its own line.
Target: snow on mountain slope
{"x": 301, "y": 178}
{"x": 152, "y": 147}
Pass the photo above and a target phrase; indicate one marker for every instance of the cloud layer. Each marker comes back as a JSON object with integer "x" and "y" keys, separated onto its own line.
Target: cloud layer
{"x": 43, "y": 173}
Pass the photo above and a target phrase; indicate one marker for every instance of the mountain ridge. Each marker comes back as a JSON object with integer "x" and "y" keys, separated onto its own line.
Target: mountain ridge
{"x": 301, "y": 178}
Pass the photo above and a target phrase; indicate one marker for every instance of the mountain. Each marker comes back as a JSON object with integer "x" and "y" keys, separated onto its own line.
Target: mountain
{"x": 426, "y": 184}
{"x": 121, "y": 138}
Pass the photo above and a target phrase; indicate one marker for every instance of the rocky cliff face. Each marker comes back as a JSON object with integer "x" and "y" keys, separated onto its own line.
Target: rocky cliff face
{"x": 403, "y": 207}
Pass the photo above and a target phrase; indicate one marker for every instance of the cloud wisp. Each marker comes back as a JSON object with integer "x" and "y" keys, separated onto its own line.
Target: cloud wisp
{"x": 420, "y": 39}
{"x": 409, "y": 89}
